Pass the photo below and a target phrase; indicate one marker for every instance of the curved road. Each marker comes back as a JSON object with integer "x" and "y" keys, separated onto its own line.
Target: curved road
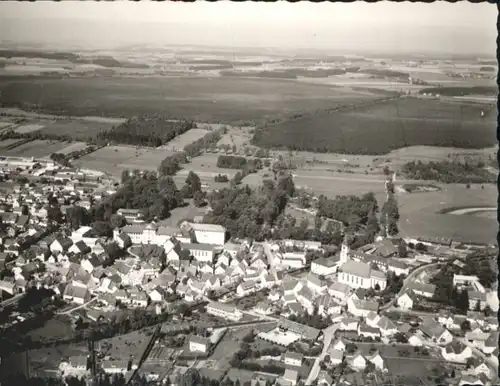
{"x": 328, "y": 334}
{"x": 407, "y": 281}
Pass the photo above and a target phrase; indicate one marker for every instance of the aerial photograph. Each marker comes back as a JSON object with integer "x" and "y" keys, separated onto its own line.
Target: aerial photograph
{"x": 248, "y": 194}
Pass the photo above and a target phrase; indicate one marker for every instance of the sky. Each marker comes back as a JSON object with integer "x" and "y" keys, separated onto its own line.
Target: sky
{"x": 460, "y": 27}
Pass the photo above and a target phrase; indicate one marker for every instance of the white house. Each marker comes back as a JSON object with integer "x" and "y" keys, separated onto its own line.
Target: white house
{"x": 61, "y": 245}
{"x": 316, "y": 284}
{"x": 199, "y": 344}
{"x": 201, "y": 252}
{"x": 76, "y": 294}
{"x": 476, "y": 299}
{"x": 407, "y": 300}
{"x": 339, "y": 290}
{"x": 349, "y": 324}
{"x": 115, "y": 367}
{"x": 358, "y": 361}
{"x": 377, "y": 360}
{"x": 225, "y": 311}
{"x": 246, "y": 288}
{"x": 293, "y": 359}
{"x": 422, "y": 289}
{"x": 294, "y": 259}
{"x": 464, "y": 280}
{"x": 436, "y": 332}
{"x": 324, "y": 266}
{"x": 336, "y": 356}
{"x": 386, "y": 326}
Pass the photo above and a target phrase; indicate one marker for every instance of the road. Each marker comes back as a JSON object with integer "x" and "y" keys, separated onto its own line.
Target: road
{"x": 270, "y": 258}
{"x": 12, "y": 300}
{"x": 407, "y": 281}
{"x": 328, "y": 334}
{"x": 76, "y": 308}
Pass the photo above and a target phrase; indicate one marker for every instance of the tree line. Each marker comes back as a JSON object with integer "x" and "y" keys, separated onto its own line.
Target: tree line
{"x": 449, "y": 172}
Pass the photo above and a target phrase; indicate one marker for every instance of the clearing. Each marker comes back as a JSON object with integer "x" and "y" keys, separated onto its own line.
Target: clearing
{"x": 179, "y": 142}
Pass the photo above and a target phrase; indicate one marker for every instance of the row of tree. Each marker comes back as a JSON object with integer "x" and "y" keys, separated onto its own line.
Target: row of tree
{"x": 449, "y": 172}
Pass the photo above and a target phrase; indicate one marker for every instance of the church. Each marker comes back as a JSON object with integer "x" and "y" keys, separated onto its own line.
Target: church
{"x": 357, "y": 274}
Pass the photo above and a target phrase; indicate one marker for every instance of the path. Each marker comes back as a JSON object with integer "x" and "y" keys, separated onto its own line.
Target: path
{"x": 12, "y": 300}
{"x": 406, "y": 282}
{"x": 270, "y": 258}
{"x": 76, "y": 308}
{"x": 328, "y": 334}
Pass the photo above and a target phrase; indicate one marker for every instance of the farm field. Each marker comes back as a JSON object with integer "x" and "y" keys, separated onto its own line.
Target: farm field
{"x": 37, "y": 148}
{"x": 115, "y": 159}
{"x": 179, "y": 142}
{"x": 75, "y": 146}
{"x": 126, "y": 346}
{"x": 196, "y": 98}
{"x": 385, "y": 126}
{"x": 237, "y": 136}
{"x": 75, "y": 128}
{"x": 206, "y": 167}
{"x": 28, "y": 128}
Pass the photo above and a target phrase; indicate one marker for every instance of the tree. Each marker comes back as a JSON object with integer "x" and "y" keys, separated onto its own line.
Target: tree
{"x": 117, "y": 221}
{"x": 101, "y": 228}
{"x": 465, "y": 326}
{"x": 125, "y": 176}
{"x": 76, "y": 216}
{"x": 199, "y": 199}
{"x": 193, "y": 184}
{"x": 54, "y": 214}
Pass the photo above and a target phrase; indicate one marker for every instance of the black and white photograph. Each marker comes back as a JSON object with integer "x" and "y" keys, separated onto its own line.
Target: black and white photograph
{"x": 248, "y": 193}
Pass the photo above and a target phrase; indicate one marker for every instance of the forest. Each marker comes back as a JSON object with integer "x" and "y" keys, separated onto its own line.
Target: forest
{"x": 151, "y": 131}
{"x": 449, "y": 172}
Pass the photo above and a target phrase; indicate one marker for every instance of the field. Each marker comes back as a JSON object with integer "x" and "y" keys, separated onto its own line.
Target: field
{"x": 385, "y": 126}
{"x": 196, "y": 98}
{"x": 179, "y": 142}
{"x": 48, "y": 359}
{"x": 125, "y": 346}
{"x": 75, "y": 146}
{"x": 115, "y": 159}
{"x": 36, "y": 148}
{"x": 56, "y": 328}
{"x": 28, "y": 128}
{"x": 237, "y": 136}
{"x": 206, "y": 167}
{"x": 75, "y": 128}
{"x": 181, "y": 213}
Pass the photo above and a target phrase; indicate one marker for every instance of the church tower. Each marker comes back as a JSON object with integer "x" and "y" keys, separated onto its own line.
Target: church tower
{"x": 344, "y": 250}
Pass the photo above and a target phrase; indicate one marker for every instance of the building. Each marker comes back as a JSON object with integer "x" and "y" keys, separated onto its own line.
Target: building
{"x": 294, "y": 259}
{"x": 361, "y": 275}
{"x": 201, "y": 252}
{"x": 324, "y": 266}
{"x": 407, "y": 300}
{"x": 115, "y": 367}
{"x": 291, "y": 376}
{"x": 225, "y": 311}
{"x": 293, "y": 359}
{"x": 207, "y": 233}
{"x": 76, "y": 294}
{"x": 456, "y": 352}
{"x": 464, "y": 280}
{"x": 436, "y": 332}
{"x": 199, "y": 344}
{"x": 477, "y": 300}
{"x": 421, "y": 289}
{"x": 145, "y": 234}
{"x": 131, "y": 215}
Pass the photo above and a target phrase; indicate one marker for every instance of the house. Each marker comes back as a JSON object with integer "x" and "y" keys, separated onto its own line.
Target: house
{"x": 79, "y": 248}
{"x": 464, "y": 280}
{"x": 291, "y": 376}
{"x": 339, "y": 290}
{"x": 158, "y": 294}
{"x": 349, "y": 324}
{"x": 436, "y": 332}
{"x": 76, "y": 294}
{"x": 477, "y": 337}
{"x": 225, "y": 311}
{"x": 264, "y": 308}
{"x": 358, "y": 361}
{"x": 414, "y": 339}
{"x": 324, "y": 379}
{"x": 306, "y": 297}
{"x": 367, "y": 331}
{"x": 361, "y": 308}
{"x": 61, "y": 245}
{"x": 477, "y": 300}
{"x": 339, "y": 344}
{"x": 478, "y": 366}
{"x": 206, "y": 233}
{"x": 398, "y": 267}
{"x": 456, "y": 352}
{"x": 336, "y": 356}
{"x": 324, "y": 266}
{"x": 246, "y": 288}
{"x": 293, "y": 359}
{"x": 232, "y": 249}
{"x": 377, "y": 360}
{"x": 123, "y": 240}
{"x": 327, "y": 305}
{"x": 386, "y": 326}
{"x": 115, "y": 367}
{"x": 315, "y": 283}
{"x": 361, "y": 275}
{"x": 294, "y": 259}
{"x": 422, "y": 289}
{"x": 471, "y": 380}
{"x": 8, "y": 287}
{"x": 491, "y": 343}
{"x": 77, "y": 363}
{"x": 201, "y": 252}
{"x": 199, "y": 344}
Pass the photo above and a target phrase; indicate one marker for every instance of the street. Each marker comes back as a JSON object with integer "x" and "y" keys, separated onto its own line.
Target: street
{"x": 328, "y": 334}
{"x": 76, "y": 308}
{"x": 270, "y": 258}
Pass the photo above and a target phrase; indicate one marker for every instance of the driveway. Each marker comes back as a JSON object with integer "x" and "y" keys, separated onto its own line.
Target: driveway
{"x": 328, "y": 334}
{"x": 76, "y": 308}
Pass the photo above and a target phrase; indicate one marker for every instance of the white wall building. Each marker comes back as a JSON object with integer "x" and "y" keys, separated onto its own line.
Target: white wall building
{"x": 225, "y": 311}
{"x": 207, "y": 233}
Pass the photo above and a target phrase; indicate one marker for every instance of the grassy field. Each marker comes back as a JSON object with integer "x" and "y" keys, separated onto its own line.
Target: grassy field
{"x": 36, "y": 148}
{"x": 50, "y": 358}
{"x": 206, "y": 167}
{"x": 76, "y": 128}
{"x": 237, "y": 136}
{"x": 29, "y": 128}
{"x": 75, "y": 146}
{"x": 179, "y": 142}
{"x": 115, "y": 159}
{"x": 200, "y": 99}
{"x": 382, "y": 127}
{"x": 56, "y": 328}
{"x": 125, "y": 346}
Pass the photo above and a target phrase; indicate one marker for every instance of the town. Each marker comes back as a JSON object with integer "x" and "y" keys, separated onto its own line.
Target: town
{"x": 235, "y": 309}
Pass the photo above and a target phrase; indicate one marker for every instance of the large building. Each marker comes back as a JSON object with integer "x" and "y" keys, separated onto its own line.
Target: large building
{"x": 206, "y": 233}
{"x": 152, "y": 234}
{"x": 225, "y": 311}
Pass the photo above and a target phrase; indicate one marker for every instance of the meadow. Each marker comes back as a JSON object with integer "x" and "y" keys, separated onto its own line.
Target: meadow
{"x": 179, "y": 142}
{"x": 385, "y": 126}
{"x": 75, "y": 128}
{"x": 197, "y": 98}
{"x": 36, "y": 148}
